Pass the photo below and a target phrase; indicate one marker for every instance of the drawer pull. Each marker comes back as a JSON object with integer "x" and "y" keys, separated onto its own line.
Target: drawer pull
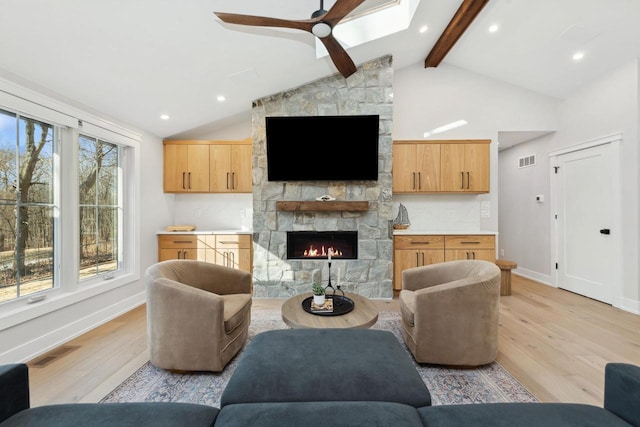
{"x": 229, "y": 242}
{"x": 420, "y": 243}
{"x": 182, "y": 241}
{"x": 470, "y": 243}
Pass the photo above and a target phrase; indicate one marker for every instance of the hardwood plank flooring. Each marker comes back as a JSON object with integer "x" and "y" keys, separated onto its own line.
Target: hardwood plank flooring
{"x": 554, "y": 342}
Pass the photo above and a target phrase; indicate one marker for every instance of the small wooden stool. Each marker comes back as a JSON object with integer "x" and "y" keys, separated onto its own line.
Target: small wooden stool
{"x": 505, "y": 275}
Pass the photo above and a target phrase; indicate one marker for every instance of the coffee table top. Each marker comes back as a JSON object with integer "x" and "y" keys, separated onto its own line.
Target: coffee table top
{"x": 363, "y": 315}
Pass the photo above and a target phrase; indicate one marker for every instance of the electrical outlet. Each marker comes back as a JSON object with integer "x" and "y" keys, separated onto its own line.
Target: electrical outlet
{"x": 501, "y": 252}
{"x": 197, "y": 212}
{"x": 450, "y": 213}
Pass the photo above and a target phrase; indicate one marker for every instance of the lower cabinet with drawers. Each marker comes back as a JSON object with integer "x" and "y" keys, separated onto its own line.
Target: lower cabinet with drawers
{"x": 230, "y": 250}
{"x": 416, "y": 250}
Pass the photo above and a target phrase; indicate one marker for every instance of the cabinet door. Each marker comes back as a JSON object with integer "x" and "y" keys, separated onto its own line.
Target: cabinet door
{"x": 452, "y": 173}
{"x": 220, "y": 161}
{"x": 404, "y": 168}
{"x": 409, "y": 258}
{"x": 176, "y": 165}
{"x": 198, "y": 174}
{"x": 240, "y": 259}
{"x": 476, "y": 159}
{"x": 461, "y": 254}
{"x": 241, "y": 168}
{"x": 428, "y": 167}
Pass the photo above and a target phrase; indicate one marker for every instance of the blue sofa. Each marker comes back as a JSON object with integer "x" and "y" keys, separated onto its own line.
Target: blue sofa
{"x": 274, "y": 386}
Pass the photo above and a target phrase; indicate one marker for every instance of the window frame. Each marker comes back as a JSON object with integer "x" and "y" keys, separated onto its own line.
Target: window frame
{"x": 68, "y": 122}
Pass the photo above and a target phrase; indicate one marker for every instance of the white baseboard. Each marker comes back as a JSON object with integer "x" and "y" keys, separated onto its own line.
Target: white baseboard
{"x": 534, "y": 275}
{"x": 57, "y": 337}
{"x": 627, "y": 304}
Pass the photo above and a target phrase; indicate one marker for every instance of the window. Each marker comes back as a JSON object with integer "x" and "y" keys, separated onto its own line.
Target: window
{"x": 27, "y": 207}
{"x": 100, "y": 212}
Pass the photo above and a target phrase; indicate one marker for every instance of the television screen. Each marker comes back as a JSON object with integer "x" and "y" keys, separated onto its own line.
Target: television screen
{"x": 319, "y": 148}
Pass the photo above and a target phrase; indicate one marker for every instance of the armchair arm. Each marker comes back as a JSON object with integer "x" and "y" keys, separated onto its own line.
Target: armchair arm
{"x": 622, "y": 391}
{"x": 14, "y": 389}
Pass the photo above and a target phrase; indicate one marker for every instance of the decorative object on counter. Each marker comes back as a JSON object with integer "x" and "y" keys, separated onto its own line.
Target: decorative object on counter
{"x": 402, "y": 220}
{"x": 318, "y": 294}
{"x": 180, "y": 228}
{"x": 325, "y": 198}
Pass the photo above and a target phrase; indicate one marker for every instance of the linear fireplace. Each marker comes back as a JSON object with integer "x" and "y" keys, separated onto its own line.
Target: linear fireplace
{"x": 317, "y": 244}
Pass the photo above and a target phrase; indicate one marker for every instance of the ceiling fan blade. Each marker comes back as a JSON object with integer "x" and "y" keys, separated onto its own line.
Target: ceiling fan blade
{"x": 263, "y": 21}
{"x": 339, "y": 56}
{"x": 340, "y": 9}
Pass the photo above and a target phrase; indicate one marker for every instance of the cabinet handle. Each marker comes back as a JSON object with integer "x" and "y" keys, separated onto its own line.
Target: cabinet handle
{"x": 232, "y": 257}
{"x": 468, "y": 255}
{"x": 189, "y": 180}
{"x": 470, "y": 243}
{"x": 414, "y": 180}
{"x": 183, "y": 187}
{"x": 184, "y": 254}
{"x": 182, "y": 241}
{"x": 228, "y": 242}
{"x": 468, "y": 180}
{"x": 233, "y": 180}
{"x": 422, "y": 258}
{"x": 420, "y": 243}
{"x": 474, "y": 254}
{"x": 227, "y": 180}
{"x": 462, "y": 180}
{"x": 417, "y": 259}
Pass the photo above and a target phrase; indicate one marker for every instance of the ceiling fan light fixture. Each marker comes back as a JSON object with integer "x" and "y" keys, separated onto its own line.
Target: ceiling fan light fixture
{"x": 321, "y": 29}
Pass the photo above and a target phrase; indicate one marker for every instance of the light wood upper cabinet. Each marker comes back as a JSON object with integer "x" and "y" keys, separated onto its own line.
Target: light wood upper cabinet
{"x": 441, "y": 166}
{"x": 465, "y": 167}
{"x": 231, "y": 167}
{"x": 208, "y": 166}
{"x": 186, "y": 168}
{"x": 416, "y": 168}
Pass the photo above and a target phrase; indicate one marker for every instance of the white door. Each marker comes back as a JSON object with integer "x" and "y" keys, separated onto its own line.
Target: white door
{"x": 586, "y": 239}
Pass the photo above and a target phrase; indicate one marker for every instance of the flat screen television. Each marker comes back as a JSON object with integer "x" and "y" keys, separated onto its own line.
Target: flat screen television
{"x": 322, "y": 148}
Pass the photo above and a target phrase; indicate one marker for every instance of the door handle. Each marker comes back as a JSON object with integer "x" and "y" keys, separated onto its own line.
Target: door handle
{"x": 605, "y": 231}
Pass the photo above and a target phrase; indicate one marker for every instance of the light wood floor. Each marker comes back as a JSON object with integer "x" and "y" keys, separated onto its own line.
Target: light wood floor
{"x": 554, "y": 342}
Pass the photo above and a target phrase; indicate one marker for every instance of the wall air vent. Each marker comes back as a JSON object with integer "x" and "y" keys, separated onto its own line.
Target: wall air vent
{"x": 526, "y": 161}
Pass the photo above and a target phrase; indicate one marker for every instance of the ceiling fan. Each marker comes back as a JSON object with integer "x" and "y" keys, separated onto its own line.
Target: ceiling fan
{"x": 320, "y": 24}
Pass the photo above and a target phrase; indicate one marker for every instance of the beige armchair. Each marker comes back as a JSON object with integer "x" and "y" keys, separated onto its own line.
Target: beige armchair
{"x": 449, "y": 312}
{"x": 198, "y": 314}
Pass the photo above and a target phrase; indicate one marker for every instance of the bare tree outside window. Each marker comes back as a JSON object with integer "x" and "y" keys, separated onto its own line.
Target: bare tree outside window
{"x": 26, "y": 206}
{"x": 99, "y": 206}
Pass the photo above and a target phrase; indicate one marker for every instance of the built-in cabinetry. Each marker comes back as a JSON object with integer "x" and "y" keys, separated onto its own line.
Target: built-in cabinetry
{"x": 230, "y": 250}
{"x": 447, "y": 166}
{"x": 416, "y": 250}
{"x": 207, "y": 166}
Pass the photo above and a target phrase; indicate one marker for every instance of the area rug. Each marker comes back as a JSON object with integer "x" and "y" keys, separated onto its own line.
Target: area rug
{"x": 490, "y": 383}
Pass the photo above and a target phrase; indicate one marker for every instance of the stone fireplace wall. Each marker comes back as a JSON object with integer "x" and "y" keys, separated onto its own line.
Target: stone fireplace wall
{"x": 368, "y": 91}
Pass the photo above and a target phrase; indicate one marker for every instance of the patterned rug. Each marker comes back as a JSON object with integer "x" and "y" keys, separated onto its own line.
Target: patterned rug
{"x": 490, "y": 383}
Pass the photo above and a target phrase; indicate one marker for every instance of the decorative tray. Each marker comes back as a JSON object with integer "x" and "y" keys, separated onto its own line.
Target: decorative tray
{"x": 341, "y": 305}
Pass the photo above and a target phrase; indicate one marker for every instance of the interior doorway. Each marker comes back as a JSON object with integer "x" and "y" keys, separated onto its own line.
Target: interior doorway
{"x": 586, "y": 214}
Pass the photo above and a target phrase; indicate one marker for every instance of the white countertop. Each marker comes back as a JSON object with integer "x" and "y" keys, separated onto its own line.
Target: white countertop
{"x": 411, "y": 231}
{"x": 207, "y": 232}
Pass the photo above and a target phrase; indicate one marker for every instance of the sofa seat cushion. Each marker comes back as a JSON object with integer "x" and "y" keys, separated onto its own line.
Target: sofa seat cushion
{"x": 319, "y": 414}
{"x": 237, "y": 309}
{"x": 307, "y": 365}
{"x": 137, "y": 414}
{"x": 518, "y": 415}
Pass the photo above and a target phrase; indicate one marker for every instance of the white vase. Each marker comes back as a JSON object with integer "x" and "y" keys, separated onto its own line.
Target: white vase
{"x": 318, "y": 300}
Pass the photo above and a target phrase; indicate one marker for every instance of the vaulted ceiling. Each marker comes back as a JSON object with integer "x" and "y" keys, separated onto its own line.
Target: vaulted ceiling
{"x": 136, "y": 60}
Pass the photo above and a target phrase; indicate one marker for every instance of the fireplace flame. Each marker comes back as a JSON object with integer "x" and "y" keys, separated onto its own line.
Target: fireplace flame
{"x": 313, "y": 252}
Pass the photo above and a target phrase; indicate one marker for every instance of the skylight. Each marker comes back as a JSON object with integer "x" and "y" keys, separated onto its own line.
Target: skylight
{"x": 388, "y": 18}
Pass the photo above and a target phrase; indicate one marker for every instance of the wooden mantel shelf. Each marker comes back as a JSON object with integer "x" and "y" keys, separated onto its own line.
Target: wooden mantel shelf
{"x": 329, "y": 205}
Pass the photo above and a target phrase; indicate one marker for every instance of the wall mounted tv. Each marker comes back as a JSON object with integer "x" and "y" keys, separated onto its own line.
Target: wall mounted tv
{"x": 322, "y": 148}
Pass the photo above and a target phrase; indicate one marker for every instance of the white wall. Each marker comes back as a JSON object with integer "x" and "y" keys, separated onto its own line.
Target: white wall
{"x": 425, "y": 99}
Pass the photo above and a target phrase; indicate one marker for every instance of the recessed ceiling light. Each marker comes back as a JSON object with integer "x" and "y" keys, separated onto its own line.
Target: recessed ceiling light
{"x": 164, "y": 116}
{"x": 423, "y": 29}
{"x": 221, "y": 98}
{"x": 493, "y": 28}
{"x": 578, "y": 56}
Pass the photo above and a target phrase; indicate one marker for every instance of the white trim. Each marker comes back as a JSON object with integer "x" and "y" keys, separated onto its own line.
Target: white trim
{"x": 632, "y": 306}
{"x": 587, "y": 144}
{"x": 534, "y": 275}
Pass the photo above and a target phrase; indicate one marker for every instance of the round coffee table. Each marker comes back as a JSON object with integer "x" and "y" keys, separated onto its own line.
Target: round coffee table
{"x": 363, "y": 315}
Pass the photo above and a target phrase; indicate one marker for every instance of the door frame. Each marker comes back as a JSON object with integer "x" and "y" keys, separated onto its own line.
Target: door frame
{"x": 614, "y": 141}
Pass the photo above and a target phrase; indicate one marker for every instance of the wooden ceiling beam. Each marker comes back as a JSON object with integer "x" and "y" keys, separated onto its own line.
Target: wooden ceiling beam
{"x": 462, "y": 19}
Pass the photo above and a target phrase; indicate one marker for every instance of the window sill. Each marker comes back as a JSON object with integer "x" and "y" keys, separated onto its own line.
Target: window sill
{"x": 21, "y": 311}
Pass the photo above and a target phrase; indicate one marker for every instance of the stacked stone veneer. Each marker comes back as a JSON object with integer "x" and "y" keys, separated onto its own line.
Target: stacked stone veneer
{"x": 368, "y": 91}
